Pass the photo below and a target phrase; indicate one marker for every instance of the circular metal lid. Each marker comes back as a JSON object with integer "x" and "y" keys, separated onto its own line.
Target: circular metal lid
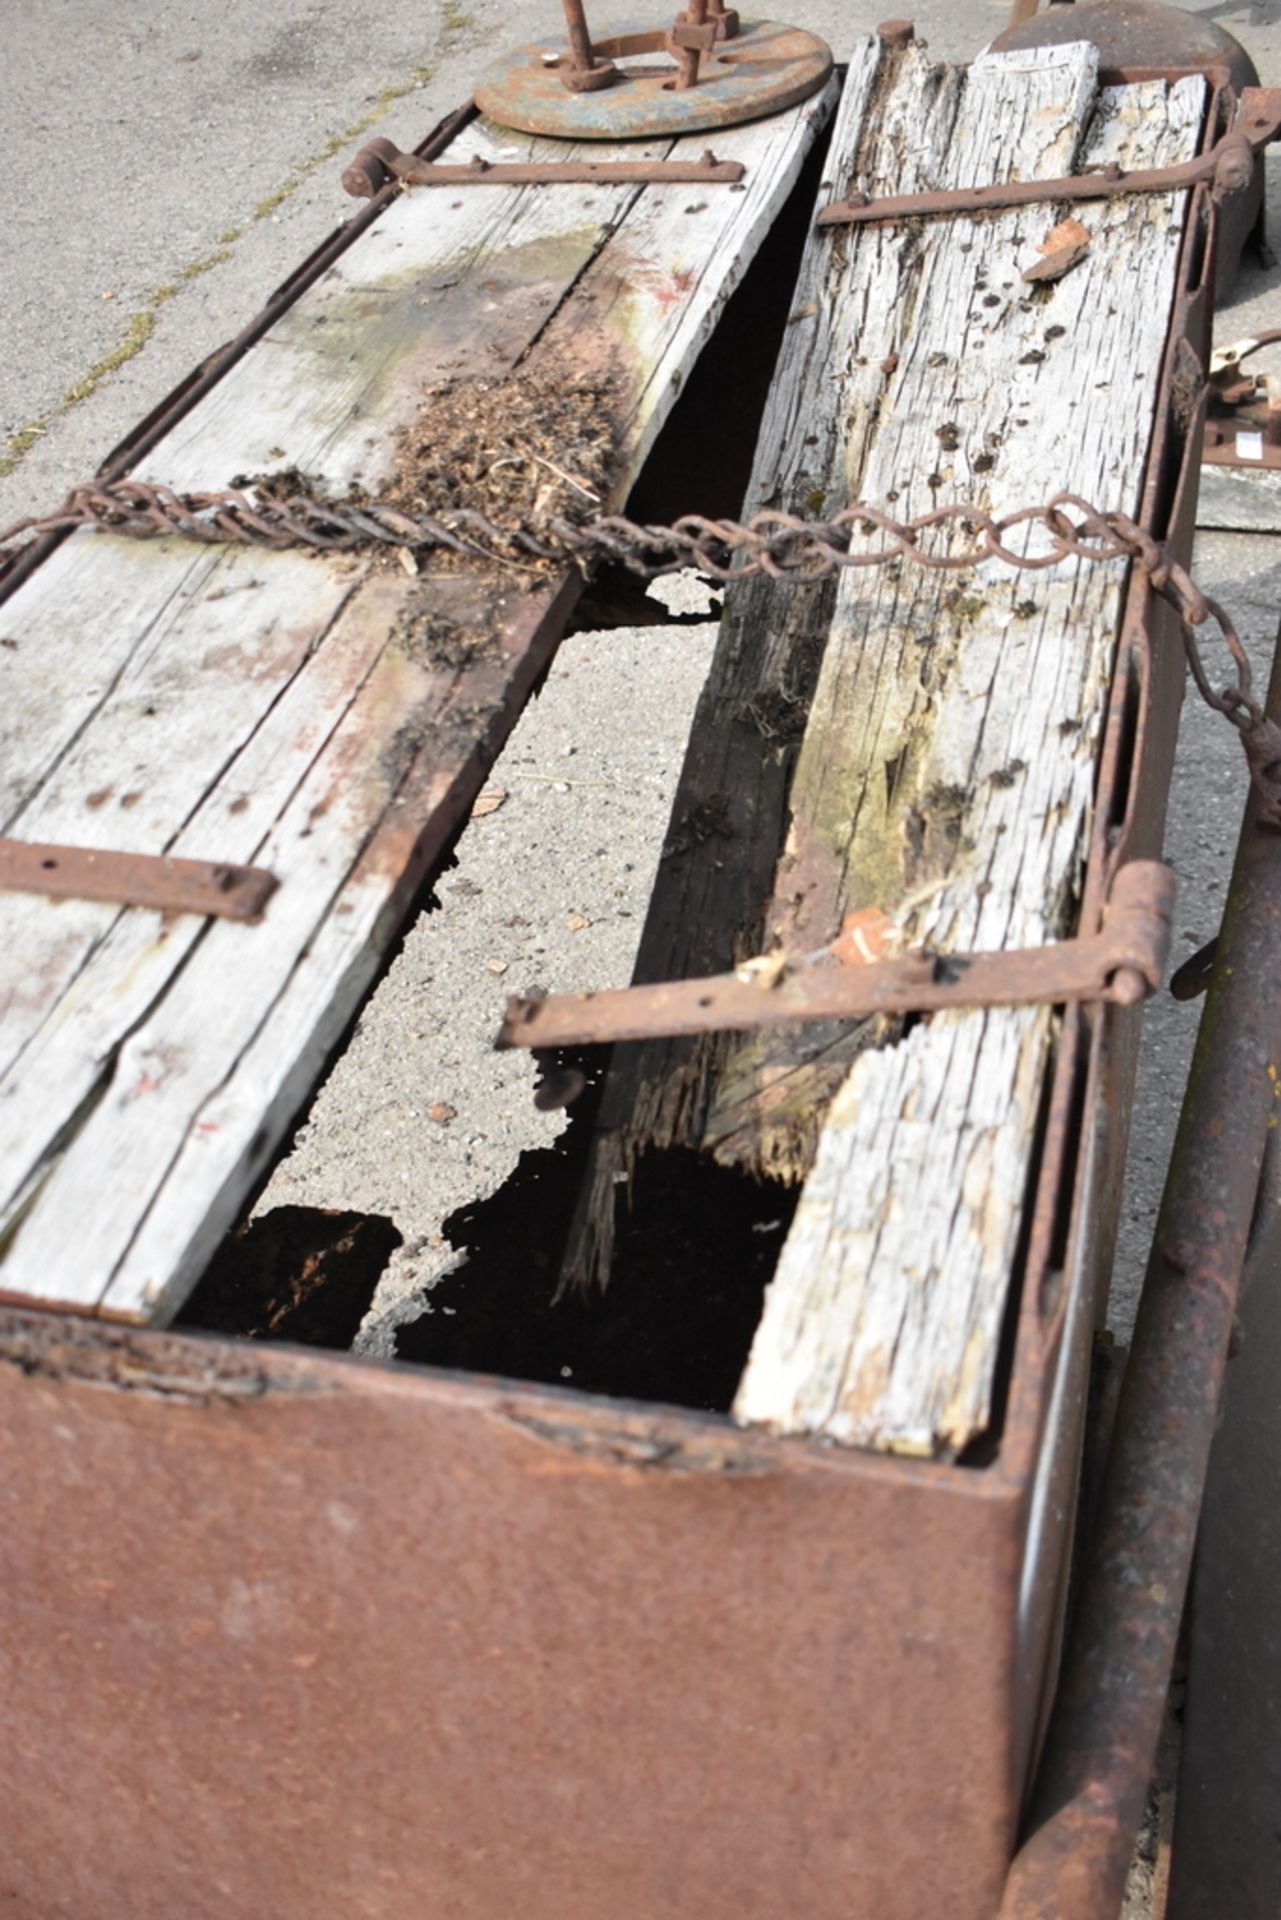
{"x": 763, "y": 69}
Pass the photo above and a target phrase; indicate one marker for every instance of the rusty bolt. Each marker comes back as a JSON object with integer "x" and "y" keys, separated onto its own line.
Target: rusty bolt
{"x": 1129, "y": 987}
{"x": 585, "y": 71}
{"x": 588, "y": 79}
{"x": 896, "y": 33}
{"x": 369, "y": 172}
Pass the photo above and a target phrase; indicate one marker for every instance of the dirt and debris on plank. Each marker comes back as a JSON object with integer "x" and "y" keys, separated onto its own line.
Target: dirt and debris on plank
{"x": 535, "y": 448}
{"x": 522, "y": 447}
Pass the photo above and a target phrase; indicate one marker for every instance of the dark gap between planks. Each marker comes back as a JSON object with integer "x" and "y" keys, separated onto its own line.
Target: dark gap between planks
{"x": 303, "y": 1274}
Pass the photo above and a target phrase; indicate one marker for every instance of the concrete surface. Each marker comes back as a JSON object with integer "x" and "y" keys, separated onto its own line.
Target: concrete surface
{"x": 168, "y": 164}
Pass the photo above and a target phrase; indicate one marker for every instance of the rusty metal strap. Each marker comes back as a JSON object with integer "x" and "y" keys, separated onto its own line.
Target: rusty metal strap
{"x": 382, "y": 162}
{"x": 1123, "y": 962}
{"x": 1228, "y": 166}
{"x": 214, "y": 887}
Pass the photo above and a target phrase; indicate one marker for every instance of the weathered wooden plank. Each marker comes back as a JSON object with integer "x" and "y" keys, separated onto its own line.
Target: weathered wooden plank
{"x": 156, "y": 1068}
{"x": 326, "y": 391}
{"x": 230, "y": 1118}
{"x": 968, "y": 414}
{"x": 946, "y": 776}
{"x": 63, "y": 1041}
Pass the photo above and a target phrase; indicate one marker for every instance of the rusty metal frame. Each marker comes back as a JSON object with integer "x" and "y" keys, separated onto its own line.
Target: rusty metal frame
{"x": 1107, "y": 1718}
{"x": 580, "y": 1655}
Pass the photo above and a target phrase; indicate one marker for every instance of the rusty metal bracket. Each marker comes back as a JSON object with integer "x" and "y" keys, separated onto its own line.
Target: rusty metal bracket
{"x": 382, "y": 161}
{"x": 213, "y": 887}
{"x": 1243, "y": 424}
{"x": 1228, "y": 166}
{"x": 1123, "y": 962}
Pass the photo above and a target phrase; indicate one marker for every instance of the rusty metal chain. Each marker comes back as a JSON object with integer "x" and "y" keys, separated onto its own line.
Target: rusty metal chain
{"x": 779, "y": 546}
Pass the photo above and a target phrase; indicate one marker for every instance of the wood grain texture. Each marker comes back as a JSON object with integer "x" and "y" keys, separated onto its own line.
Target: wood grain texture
{"x": 946, "y": 776}
{"x": 286, "y": 709}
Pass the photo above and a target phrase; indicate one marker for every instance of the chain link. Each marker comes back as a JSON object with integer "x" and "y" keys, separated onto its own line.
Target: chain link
{"x": 778, "y": 546}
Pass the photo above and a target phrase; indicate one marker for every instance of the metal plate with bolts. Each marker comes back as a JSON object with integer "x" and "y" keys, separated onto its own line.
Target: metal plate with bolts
{"x": 765, "y": 68}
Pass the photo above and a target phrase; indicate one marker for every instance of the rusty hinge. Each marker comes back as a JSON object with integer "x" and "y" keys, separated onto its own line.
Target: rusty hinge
{"x": 382, "y": 161}
{"x": 1123, "y": 962}
{"x": 214, "y": 887}
{"x": 1229, "y": 164}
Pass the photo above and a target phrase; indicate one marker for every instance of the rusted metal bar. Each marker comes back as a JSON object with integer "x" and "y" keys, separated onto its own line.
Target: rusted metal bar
{"x": 690, "y": 38}
{"x": 1225, "y": 1858}
{"x": 1103, "y": 1733}
{"x": 1122, "y": 962}
{"x": 215, "y": 887}
{"x": 1228, "y": 166}
{"x": 382, "y": 161}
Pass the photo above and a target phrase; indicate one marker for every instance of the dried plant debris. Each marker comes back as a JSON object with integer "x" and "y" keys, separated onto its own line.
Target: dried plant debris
{"x": 528, "y": 449}
{"x": 533, "y": 452}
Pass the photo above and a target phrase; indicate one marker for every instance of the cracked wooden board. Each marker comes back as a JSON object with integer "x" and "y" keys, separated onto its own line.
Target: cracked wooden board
{"x": 166, "y": 697}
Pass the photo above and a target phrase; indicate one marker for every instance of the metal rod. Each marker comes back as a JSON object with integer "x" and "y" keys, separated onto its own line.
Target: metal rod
{"x": 582, "y": 53}
{"x": 1094, "y": 1776}
{"x": 1229, "y": 164}
{"x": 687, "y": 58}
{"x": 381, "y": 161}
